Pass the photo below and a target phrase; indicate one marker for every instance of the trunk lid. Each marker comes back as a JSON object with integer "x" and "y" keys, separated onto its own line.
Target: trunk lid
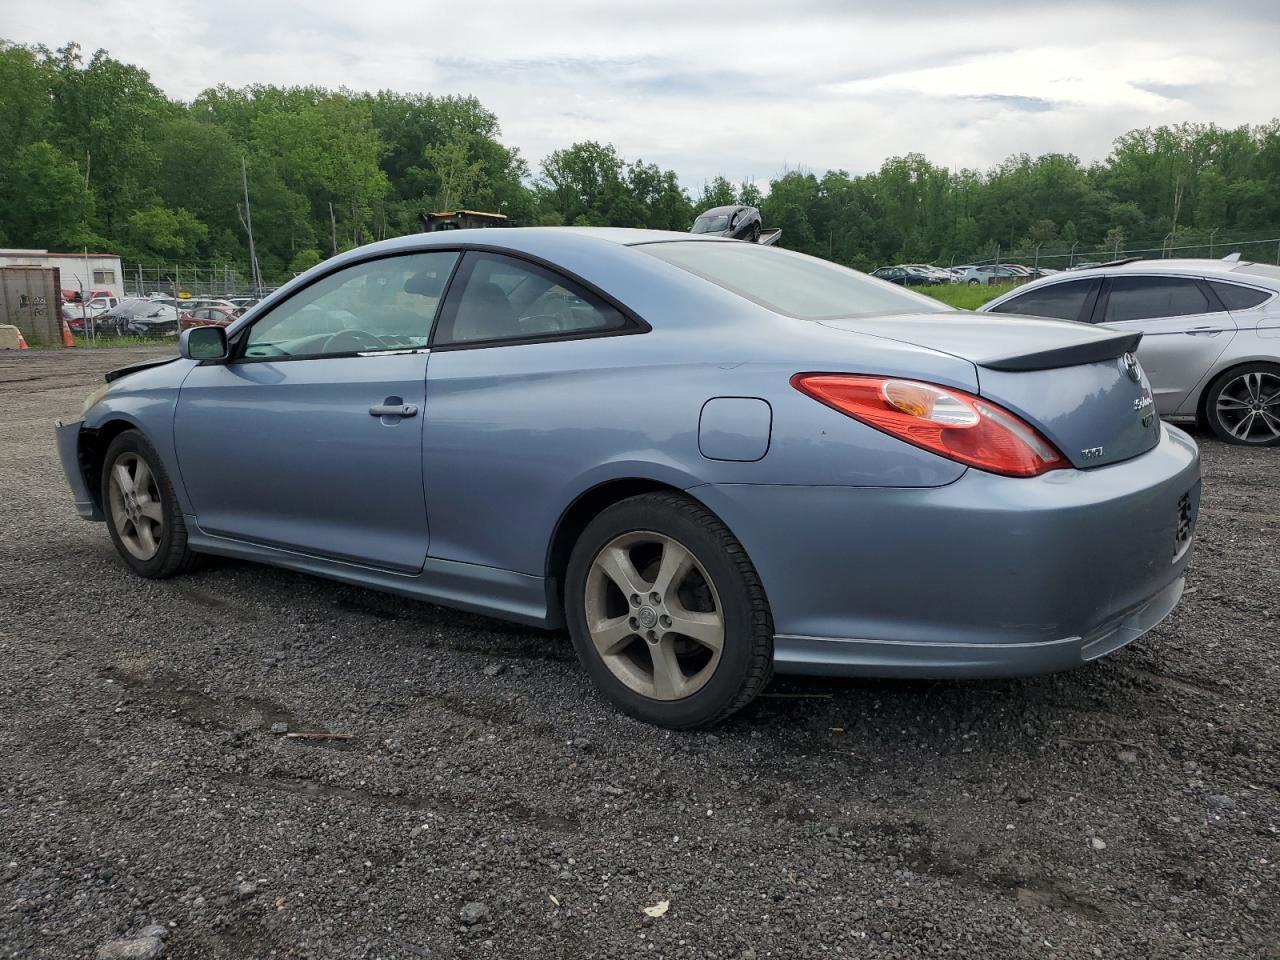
{"x": 1072, "y": 381}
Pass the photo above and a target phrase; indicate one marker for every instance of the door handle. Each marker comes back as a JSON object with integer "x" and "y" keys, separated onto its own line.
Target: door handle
{"x": 393, "y": 410}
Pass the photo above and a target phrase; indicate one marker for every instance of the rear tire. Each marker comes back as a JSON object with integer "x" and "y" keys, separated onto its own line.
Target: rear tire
{"x": 144, "y": 517}
{"x": 1242, "y": 406}
{"x": 682, "y": 568}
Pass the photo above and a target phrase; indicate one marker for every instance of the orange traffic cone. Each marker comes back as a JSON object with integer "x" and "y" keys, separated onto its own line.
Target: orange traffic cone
{"x": 67, "y": 339}
{"x": 22, "y": 342}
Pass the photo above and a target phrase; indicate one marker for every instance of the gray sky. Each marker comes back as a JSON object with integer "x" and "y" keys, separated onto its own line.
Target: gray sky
{"x": 745, "y": 89}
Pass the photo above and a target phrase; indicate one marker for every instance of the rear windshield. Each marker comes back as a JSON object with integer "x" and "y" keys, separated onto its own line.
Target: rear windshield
{"x": 710, "y": 224}
{"x": 790, "y": 283}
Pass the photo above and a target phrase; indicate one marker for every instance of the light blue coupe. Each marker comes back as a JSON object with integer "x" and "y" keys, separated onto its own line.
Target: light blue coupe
{"x": 708, "y": 460}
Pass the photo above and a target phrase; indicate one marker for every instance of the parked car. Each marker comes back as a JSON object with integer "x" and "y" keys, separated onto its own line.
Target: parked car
{"x": 205, "y": 317}
{"x": 989, "y": 274}
{"x": 938, "y": 273}
{"x": 241, "y": 304}
{"x": 140, "y": 317}
{"x": 709, "y": 459}
{"x": 1210, "y": 334}
{"x": 906, "y": 276}
{"x": 737, "y": 221}
{"x": 195, "y": 303}
{"x": 78, "y": 313}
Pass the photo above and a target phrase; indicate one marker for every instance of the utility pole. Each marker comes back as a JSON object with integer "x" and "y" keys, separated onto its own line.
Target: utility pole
{"x": 248, "y": 217}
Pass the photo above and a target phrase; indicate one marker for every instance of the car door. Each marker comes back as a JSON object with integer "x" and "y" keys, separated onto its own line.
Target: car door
{"x": 1183, "y": 325}
{"x": 309, "y": 437}
{"x": 521, "y": 395}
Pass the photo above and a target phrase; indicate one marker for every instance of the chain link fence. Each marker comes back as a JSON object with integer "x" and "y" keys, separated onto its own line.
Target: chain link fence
{"x": 197, "y": 278}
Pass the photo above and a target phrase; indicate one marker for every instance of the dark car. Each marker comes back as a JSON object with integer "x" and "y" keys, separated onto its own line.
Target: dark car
{"x": 736, "y": 222}
{"x": 906, "y": 276}
{"x": 139, "y": 317}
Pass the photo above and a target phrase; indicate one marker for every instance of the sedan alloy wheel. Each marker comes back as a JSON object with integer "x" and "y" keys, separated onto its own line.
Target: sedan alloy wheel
{"x": 1245, "y": 409}
{"x": 136, "y": 509}
{"x": 654, "y": 616}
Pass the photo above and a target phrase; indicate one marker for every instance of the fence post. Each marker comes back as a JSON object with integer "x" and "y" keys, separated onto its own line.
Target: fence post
{"x": 1072, "y": 262}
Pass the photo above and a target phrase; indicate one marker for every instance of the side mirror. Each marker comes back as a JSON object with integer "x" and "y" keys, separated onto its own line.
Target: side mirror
{"x": 203, "y": 343}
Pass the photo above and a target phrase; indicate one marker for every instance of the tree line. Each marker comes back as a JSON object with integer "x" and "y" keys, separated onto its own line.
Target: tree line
{"x": 95, "y": 155}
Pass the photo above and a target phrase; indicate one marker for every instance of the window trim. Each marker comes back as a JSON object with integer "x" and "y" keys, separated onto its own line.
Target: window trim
{"x": 636, "y": 324}
{"x": 633, "y": 322}
{"x": 1104, "y": 298}
{"x": 240, "y": 340}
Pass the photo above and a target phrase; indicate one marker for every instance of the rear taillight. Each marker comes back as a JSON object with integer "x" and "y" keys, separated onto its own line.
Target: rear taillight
{"x": 950, "y": 423}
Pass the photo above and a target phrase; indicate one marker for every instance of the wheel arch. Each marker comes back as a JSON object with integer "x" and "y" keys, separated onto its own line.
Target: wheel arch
{"x": 585, "y": 507}
{"x": 94, "y": 442}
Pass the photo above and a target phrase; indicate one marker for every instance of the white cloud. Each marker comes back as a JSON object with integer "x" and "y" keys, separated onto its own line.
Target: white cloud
{"x": 744, "y": 89}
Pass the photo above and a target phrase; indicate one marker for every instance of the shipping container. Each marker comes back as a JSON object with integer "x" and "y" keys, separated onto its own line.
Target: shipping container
{"x": 31, "y": 300}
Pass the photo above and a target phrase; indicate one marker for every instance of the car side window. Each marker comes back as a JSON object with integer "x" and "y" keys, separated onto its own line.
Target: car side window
{"x": 1146, "y": 298}
{"x": 385, "y": 304}
{"x": 499, "y": 298}
{"x": 1061, "y": 301}
{"x": 1236, "y": 297}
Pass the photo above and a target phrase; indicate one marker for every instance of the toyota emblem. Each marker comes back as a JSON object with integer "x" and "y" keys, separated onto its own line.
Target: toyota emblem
{"x": 1131, "y": 367}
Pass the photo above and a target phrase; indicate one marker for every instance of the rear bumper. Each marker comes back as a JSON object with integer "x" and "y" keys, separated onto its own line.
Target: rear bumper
{"x": 838, "y": 656}
{"x": 68, "y": 439}
{"x": 986, "y": 576}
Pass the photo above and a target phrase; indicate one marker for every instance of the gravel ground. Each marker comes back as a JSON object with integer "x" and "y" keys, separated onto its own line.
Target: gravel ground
{"x": 487, "y": 805}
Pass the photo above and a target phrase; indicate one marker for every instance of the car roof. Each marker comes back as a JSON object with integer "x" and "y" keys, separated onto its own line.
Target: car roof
{"x": 720, "y": 210}
{"x": 1199, "y": 267}
{"x": 1202, "y": 267}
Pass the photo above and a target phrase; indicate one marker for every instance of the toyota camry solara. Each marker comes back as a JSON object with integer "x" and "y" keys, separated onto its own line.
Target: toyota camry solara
{"x": 707, "y": 460}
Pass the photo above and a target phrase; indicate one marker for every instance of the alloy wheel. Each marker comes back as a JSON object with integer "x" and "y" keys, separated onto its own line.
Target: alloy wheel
{"x": 654, "y": 616}
{"x": 136, "y": 510}
{"x": 1249, "y": 407}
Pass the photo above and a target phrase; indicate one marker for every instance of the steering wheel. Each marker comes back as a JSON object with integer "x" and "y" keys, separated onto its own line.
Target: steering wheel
{"x": 354, "y": 340}
{"x": 554, "y": 323}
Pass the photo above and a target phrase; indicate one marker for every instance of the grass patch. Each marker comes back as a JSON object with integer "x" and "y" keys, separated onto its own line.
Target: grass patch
{"x": 965, "y": 297}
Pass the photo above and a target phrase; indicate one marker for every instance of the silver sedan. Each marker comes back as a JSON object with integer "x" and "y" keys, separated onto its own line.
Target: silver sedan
{"x": 1210, "y": 334}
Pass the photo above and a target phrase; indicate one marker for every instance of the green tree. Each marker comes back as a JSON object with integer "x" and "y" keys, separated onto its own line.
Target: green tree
{"x": 44, "y": 201}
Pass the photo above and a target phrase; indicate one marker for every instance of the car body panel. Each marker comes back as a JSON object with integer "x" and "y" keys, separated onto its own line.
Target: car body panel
{"x": 986, "y": 560}
{"x": 287, "y": 454}
{"x": 857, "y": 535}
{"x": 1094, "y": 406}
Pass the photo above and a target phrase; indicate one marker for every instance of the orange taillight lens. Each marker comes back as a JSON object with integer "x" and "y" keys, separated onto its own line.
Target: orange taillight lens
{"x": 942, "y": 420}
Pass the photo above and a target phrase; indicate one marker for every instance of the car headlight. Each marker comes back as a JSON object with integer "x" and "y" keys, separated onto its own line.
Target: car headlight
{"x": 94, "y": 398}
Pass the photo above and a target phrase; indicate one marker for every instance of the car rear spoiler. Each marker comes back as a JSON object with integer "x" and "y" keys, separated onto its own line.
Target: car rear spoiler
{"x": 1073, "y": 354}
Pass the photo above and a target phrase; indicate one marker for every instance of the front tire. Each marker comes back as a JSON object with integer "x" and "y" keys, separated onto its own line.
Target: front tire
{"x": 143, "y": 514}
{"x": 1242, "y": 406}
{"x": 667, "y": 613}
